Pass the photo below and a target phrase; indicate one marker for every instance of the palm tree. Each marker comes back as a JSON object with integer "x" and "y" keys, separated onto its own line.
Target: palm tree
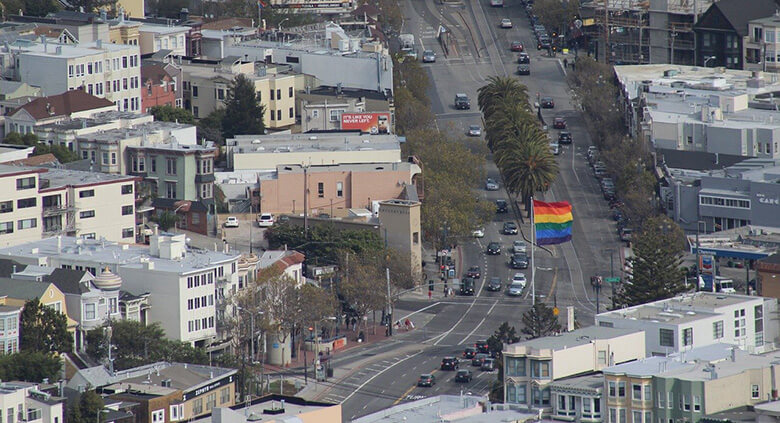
{"x": 511, "y": 120}
{"x": 491, "y": 96}
{"x": 528, "y": 167}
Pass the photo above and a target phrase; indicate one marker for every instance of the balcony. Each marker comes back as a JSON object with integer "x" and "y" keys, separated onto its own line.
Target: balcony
{"x": 59, "y": 229}
{"x": 55, "y": 209}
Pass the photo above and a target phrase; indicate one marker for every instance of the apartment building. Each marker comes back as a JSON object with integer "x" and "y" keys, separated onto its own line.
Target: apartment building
{"x": 153, "y": 38}
{"x": 578, "y": 399}
{"x": 206, "y": 88}
{"x": 761, "y": 44}
{"x": 106, "y": 70}
{"x": 159, "y": 87}
{"x": 9, "y": 331}
{"x": 29, "y": 404}
{"x": 123, "y": 31}
{"x": 15, "y": 293}
{"x": 54, "y": 109}
{"x": 65, "y": 132}
{"x": 321, "y": 109}
{"x": 531, "y": 366}
{"x": 699, "y": 319}
{"x": 192, "y": 285}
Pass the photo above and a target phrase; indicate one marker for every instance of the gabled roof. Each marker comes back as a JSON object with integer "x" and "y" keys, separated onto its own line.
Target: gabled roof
{"x": 7, "y": 267}
{"x": 737, "y": 13}
{"x": 69, "y": 280}
{"x": 153, "y": 71}
{"x": 22, "y": 289}
{"x": 63, "y": 104}
{"x": 44, "y": 159}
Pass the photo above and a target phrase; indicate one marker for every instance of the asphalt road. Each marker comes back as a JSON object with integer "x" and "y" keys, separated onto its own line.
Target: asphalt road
{"x": 387, "y": 373}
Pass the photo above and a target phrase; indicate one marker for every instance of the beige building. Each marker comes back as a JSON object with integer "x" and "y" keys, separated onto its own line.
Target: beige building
{"x": 123, "y": 31}
{"x": 206, "y": 88}
{"x": 45, "y": 202}
{"x": 267, "y": 152}
{"x": 403, "y": 216}
{"x": 530, "y": 366}
{"x": 153, "y": 38}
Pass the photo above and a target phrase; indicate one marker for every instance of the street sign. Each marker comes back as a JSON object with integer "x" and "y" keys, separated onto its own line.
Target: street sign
{"x": 556, "y": 311}
{"x": 612, "y": 280}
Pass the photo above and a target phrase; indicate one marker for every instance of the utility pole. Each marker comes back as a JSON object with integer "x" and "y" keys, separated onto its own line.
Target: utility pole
{"x": 305, "y": 202}
{"x": 606, "y": 31}
{"x": 389, "y": 304}
{"x": 612, "y": 274}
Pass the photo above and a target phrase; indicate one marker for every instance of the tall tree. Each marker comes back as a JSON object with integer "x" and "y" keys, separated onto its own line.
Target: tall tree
{"x": 243, "y": 112}
{"x": 172, "y": 114}
{"x": 39, "y": 7}
{"x": 540, "y": 321}
{"x": 504, "y": 334}
{"x": 166, "y": 220}
{"x": 528, "y": 168}
{"x": 91, "y": 403}
{"x": 501, "y": 90}
{"x": 43, "y": 329}
{"x": 363, "y": 285}
{"x": 656, "y": 268}
{"x": 91, "y": 6}
{"x": 30, "y": 366}
{"x": 210, "y": 127}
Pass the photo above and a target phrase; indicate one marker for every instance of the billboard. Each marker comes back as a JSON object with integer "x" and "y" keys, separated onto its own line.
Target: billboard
{"x": 372, "y": 123}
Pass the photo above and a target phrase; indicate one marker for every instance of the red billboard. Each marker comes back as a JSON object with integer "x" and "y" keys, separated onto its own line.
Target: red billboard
{"x": 372, "y": 123}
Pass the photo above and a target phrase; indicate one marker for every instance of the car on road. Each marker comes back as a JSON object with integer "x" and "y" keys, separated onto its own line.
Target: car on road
{"x": 494, "y": 284}
{"x": 473, "y": 272}
{"x": 478, "y": 233}
{"x": 555, "y": 148}
{"x": 491, "y": 184}
{"x": 494, "y": 249}
{"x": 524, "y": 69}
{"x": 547, "y": 103}
{"x": 449, "y": 363}
{"x": 516, "y": 46}
{"x": 523, "y": 58}
{"x": 502, "y": 206}
{"x": 497, "y": 3}
{"x": 462, "y": 101}
{"x": 626, "y": 234}
{"x": 506, "y": 23}
{"x": 469, "y": 353}
{"x": 519, "y": 261}
{"x": 488, "y": 365}
{"x": 231, "y": 222}
{"x": 519, "y": 278}
{"x": 265, "y": 220}
{"x": 564, "y": 137}
{"x": 592, "y": 150}
{"x": 429, "y": 56}
{"x": 515, "y": 289}
{"x": 467, "y": 286}
{"x": 518, "y": 246}
{"x": 478, "y": 359}
{"x": 559, "y": 123}
{"x": 475, "y": 131}
{"x": 482, "y": 346}
{"x": 426, "y": 379}
{"x": 510, "y": 228}
{"x": 543, "y": 44}
{"x": 463, "y": 376}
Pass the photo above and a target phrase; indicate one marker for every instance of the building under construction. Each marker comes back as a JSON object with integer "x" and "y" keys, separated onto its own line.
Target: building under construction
{"x": 642, "y": 31}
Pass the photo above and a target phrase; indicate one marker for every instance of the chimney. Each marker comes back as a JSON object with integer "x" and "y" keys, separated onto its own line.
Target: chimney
{"x": 58, "y": 51}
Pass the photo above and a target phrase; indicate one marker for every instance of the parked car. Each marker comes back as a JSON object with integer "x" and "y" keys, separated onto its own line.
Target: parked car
{"x": 231, "y": 222}
{"x": 510, "y": 228}
{"x": 494, "y": 284}
{"x": 463, "y": 376}
{"x": 478, "y": 233}
{"x": 475, "y": 131}
{"x": 494, "y": 249}
{"x": 478, "y": 359}
{"x": 564, "y": 137}
{"x": 467, "y": 286}
{"x": 265, "y": 220}
{"x": 547, "y": 103}
{"x": 488, "y": 365}
{"x": 519, "y": 261}
{"x": 429, "y": 56}
{"x": 426, "y": 379}
{"x": 559, "y": 123}
{"x": 469, "y": 353}
{"x": 491, "y": 184}
{"x": 462, "y": 101}
{"x": 506, "y": 23}
{"x": 626, "y": 234}
{"x": 518, "y": 246}
{"x": 473, "y": 272}
{"x": 524, "y": 69}
{"x": 502, "y": 206}
{"x": 449, "y": 363}
{"x": 523, "y": 58}
{"x": 516, "y": 46}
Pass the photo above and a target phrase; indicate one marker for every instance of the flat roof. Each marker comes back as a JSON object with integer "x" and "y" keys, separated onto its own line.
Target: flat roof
{"x": 163, "y": 29}
{"x": 650, "y": 366}
{"x": 97, "y": 119}
{"x": 681, "y": 309}
{"x": 463, "y": 409}
{"x": 594, "y": 382}
{"x": 739, "y": 362}
{"x": 121, "y": 255}
{"x": 71, "y": 50}
{"x": 350, "y": 167}
{"x": 312, "y": 142}
{"x": 6, "y": 170}
{"x": 59, "y": 177}
{"x": 570, "y": 339}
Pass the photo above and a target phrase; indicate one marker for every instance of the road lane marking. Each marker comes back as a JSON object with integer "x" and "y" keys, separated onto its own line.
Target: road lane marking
{"x": 478, "y": 325}
{"x": 422, "y": 309}
{"x": 379, "y": 373}
{"x": 411, "y": 388}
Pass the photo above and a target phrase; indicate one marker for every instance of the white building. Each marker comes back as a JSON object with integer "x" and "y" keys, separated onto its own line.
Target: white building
{"x": 154, "y": 38}
{"x": 112, "y": 71}
{"x": 187, "y": 286}
{"x": 30, "y": 404}
{"x": 694, "y": 320}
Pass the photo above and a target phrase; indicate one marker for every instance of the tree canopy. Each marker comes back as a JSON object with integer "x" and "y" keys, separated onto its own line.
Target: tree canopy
{"x": 243, "y": 111}
{"x": 324, "y": 243}
{"x": 43, "y": 329}
{"x": 540, "y": 321}
{"x": 172, "y": 114}
{"x": 62, "y": 153}
{"x": 30, "y": 366}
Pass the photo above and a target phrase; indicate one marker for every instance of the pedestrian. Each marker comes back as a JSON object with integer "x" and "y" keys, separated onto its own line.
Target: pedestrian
{"x": 430, "y": 294}
{"x": 565, "y": 63}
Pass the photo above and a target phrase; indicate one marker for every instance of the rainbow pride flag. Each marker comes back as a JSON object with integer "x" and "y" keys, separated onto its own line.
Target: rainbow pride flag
{"x": 552, "y": 222}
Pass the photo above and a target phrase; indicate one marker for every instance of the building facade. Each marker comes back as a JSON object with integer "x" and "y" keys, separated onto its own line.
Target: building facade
{"x": 403, "y": 216}
{"x": 28, "y": 404}
{"x": 159, "y": 88}
{"x": 153, "y": 38}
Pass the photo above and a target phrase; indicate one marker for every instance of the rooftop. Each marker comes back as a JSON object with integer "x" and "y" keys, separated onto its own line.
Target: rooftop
{"x": 570, "y": 339}
{"x": 594, "y": 383}
{"x": 348, "y": 167}
{"x": 163, "y": 29}
{"x": 111, "y": 253}
{"x": 63, "y": 104}
{"x": 96, "y": 119}
{"x": 650, "y": 366}
{"x": 6, "y": 169}
{"x": 71, "y": 51}
{"x": 739, "y": 362}
{"x": 138, "y": 130}
{"x": 59, "y": 178}
{"x": 293, "y": 408}
{"x": 313, "y": 142}
{"x": 680, "y": 309}
{"x": 182, "y": 376}
{"x": 449, "y": 408}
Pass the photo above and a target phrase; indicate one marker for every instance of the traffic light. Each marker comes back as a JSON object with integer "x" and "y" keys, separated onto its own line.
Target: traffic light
{"x": 555, "y": 34}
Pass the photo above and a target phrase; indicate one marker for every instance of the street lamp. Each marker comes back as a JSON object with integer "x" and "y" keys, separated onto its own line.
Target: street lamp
{"x": 176, "y": 216}
{"x": 283, "y": 21}
{"x": 707, "y": 59}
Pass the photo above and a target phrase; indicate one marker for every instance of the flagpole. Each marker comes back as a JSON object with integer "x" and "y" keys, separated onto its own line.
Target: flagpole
{"x": 533, "y": 264}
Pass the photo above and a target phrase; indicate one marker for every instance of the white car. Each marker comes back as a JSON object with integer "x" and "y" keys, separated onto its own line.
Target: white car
{"x": 478, "y": 233}
{"x": 265, "y": 220}
{"x": 506, "y": 23}
{"x": 491, "y": 185}
{"x": 231, "y": 222}
{"x": 519, "y": 278}
{"x": 475, "y": 131}
{"x": 518, "y": 247}
{"x": 555, "y": 148}
{"x": 516, "y": 289}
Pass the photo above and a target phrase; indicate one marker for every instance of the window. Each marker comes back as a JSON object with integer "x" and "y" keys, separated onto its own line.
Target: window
{"x": 666, "y": 337}
{"x": 686, "y": 402}
{"x": 612, "y": 389}
{"x": 127, "y": 210}
{"x": 176, "y": 412}
{"x": 320, "y": 189}
{"x": 153, "y": 163}
{"x": 171, "y": 166}
{"x": 636, "y": 416}
{"x": 26, "y": 203}
{"x": 87, "y": 214}
{"x": 278, "y": 93}
{"x": 211, "y": 399}
{"x": 648, "y": 392}
{"x": 87, "y": 193}
{"x": 758, "y": 323}
{"x": 515, "y": 366}
{"x": 127, "y": 189}
{"x": 696, "y": 403}
{"x": 194, "y": 90}
{"x": 292, "y": 113}
{"x": 89, "y": 311}
{"x": 717, "y": 330}
{"x": 622, "y": 415}
{"x": 335, "y": 115}
{"x": 27, "y": 223}
{"x": 688, "y": 336}
{"x": 648, "y": 417}
{"x": 278, "y": 114}
{"x": 220, "y": 93}
{"x": 170, "y": 189}
{"x": 158, "y": 416}
{"x": 540, "y": 369}
{"x": 128, "y": 233}
{"x": 113, "y": 305}
{"x": 6, "y": 206}
{"x": 621, "y": 389}
{"x": 661, "y": 400}
{"x": 612, "y": 415}
{"x": 724, "y": 202}
{"x": 224, "y": 395}
{"x": 197, "y": 405}
{"x": 602, "y": 357}
{"x": 636, "y": 392}
{"x": 25, "y": 183}
{"x": 757, "y": 34}
{"x": 754, "y": 392}
{"x": 339, "y": 189}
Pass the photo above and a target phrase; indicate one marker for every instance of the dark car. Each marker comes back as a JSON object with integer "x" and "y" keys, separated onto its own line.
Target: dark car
{"x": 473, "y": 272}
{"x": 523, "y": 58}
{"x": 467, "y": 286}
{"x": 462, "y": 102}
{"x": 524, "y": 69}
{"x": 488, "y": 365}
{"x": 494, "y": 284}
{"x": 449, "y": 363}
{"x": 469, "y": 353}
{"x": 519, "y": 261}
{"x": 516, "y": 46}
{"x": 478, "y": 359}
{"x": 463, "y": 376}
{"x": 565, "y": 138}
{"x": 543, "y": 44}
{"x": 559, "y": 123}
{"x": 510, "y": 228}
{"x": 426, "y": 380}
{"x": 482, "y": 346}
{"x": 547, "y": 103}
{"x": 502, "y": 206}
{"x": 494, "y": 249}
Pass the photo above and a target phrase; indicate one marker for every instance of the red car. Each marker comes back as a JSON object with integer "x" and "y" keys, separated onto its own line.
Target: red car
{"x": 517, "y": 46}
{"x": 559, "y": 123}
